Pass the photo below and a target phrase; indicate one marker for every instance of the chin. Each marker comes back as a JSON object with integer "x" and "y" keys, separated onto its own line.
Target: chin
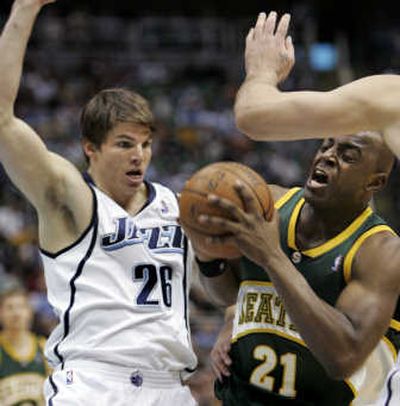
{"x": 318, "y": 200}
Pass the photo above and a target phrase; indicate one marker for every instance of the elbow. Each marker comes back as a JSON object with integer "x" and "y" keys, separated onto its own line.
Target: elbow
{"x": 243, "y": 124}
{"x": 342, "y": 367}
{"x": 248, "y": 125}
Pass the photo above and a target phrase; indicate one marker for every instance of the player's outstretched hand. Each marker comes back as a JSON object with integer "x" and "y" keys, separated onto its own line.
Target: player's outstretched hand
{"x": 220, "y": 360}
{"x": 269, "y": 50}
{"x": 256, "y": 238}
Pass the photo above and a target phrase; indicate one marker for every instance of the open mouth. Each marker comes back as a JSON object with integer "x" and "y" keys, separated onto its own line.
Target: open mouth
{"x": 135, "y": 173}
{"x": 319, "y": 176}
{"x": 135, "y": 176}
{"x": 318, "y": 179}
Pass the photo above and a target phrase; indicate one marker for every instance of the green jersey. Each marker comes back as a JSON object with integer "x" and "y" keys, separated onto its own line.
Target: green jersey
{"x": 21, "y": 379}
{"x": 271, "y": 363}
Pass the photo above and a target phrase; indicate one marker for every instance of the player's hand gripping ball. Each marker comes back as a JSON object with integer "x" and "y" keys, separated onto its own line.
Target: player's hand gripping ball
{"x": 219, "y": 179}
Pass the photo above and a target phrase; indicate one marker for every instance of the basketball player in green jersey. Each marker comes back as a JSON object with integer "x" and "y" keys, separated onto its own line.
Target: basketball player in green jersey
{"x": 317, "y": 290}
{"x": 22, "y": 365}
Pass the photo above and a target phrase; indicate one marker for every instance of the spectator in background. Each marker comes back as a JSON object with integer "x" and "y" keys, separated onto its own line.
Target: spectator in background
{"x": 23, "y": 368}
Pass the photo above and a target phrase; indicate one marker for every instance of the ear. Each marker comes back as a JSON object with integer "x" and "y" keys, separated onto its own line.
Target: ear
{"x": 377, "y": 182}
{"x": 89, "y": 148}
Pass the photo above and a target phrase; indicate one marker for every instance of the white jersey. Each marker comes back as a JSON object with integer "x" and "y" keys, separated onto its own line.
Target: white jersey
{"x": 390, "y": 395}
{"x": 121, "y": 291}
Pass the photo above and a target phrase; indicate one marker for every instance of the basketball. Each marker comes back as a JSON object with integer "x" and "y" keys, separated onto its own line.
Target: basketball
{"x": 219, "y": 179}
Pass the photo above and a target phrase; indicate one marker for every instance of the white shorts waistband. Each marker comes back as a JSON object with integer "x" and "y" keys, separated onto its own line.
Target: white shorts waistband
{"x": 137, "y": 376}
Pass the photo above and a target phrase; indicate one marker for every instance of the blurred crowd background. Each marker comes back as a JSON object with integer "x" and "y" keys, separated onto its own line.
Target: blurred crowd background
{"x": 188, "y": 61}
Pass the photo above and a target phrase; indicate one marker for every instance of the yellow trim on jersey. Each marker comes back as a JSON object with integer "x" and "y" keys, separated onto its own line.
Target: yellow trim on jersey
{"x": 271, "y": 331}
{"x": 287, "y": 196}
{"x": 348, "y": 261}
{"x": 391, "y": 347}
{"x": 257, "y": 283}
{"x": 352, "y": 388}
{"x": 330, "y": 244}
{"x": 12, "y": 352}
{"x": 394, "y": 324}
{"x": 292, "y": 224}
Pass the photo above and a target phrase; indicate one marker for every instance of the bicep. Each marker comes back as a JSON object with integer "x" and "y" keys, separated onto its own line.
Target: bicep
{"x": 369, "y": 310}
{"x": 369, "y": 300}
{"x": 37, "y": 172}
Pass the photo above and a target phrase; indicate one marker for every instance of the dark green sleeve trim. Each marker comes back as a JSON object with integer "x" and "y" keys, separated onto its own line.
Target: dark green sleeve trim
{"x": 211, "y": 269}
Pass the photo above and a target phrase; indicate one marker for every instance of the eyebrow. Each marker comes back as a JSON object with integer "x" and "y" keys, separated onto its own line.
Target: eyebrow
{"x": 349, "y": 146}
{"x": 130, "y": 138}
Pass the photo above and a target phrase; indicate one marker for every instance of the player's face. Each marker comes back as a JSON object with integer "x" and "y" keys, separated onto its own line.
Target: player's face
{"x": 15, "y": 313}
{"x": 340, "y": 172}
{"x": 121, "y": 162}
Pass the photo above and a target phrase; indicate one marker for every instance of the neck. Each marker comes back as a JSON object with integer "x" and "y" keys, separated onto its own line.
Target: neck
{"x": 316, "y": 226}
{"x": 131, "y": 202}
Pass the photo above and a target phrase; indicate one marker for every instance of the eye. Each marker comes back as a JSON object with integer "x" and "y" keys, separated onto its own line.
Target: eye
{"x": 350, "y": 155}
{"x": 124, "y": 144}
{"x": 147, "y": 143}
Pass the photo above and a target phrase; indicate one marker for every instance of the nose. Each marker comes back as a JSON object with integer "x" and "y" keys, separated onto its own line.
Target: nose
{"x": 329, "y": 157}
{"x": 137, "y": 154}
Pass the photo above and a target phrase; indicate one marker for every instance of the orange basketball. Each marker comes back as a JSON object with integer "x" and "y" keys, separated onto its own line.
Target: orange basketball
{"x": 219, "y": 179}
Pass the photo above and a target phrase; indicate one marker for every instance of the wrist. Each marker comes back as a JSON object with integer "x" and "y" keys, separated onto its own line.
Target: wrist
{"x": 275, "y": 259}
{"x": 268, "y": 77}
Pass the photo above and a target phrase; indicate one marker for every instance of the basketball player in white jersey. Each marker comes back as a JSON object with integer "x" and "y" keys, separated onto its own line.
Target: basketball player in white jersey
{"x": 263, "y": 112}
{"x": 117, "y": 265}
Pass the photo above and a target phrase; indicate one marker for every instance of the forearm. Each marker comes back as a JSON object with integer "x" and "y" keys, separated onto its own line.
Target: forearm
{"x": 13, "y": 42}
{"x": 329, "y": 334}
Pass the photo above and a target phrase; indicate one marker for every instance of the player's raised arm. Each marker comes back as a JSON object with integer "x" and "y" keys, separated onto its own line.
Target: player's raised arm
{"x": 263, "y": 112}
{"x": 42, "y": 176}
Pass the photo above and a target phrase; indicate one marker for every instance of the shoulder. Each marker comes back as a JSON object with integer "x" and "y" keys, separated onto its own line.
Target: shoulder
{"x": 161, "y": 188}
{"x": 161, "y": 191}
{"x": 378, "y": 259}
{"x": 163, "y": 199}
{"x": 282, "y": 194}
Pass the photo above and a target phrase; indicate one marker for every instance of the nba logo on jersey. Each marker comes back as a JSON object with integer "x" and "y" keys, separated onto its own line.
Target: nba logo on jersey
{"x": 136, "y": 379}
{"x": 164, "y": 207}
{"x": 337, "y": 264}
{"x": 69, "y": 377}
